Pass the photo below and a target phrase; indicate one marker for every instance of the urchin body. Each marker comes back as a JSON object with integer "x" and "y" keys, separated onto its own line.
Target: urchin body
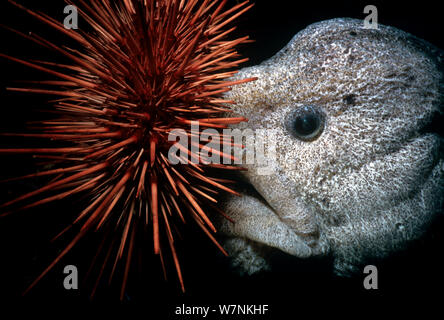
{"x": 137, "y": 78}
{"x": 373, "y": 179}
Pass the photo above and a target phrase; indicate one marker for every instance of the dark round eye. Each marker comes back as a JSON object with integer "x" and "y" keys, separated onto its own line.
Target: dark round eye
{"x": 307, "y": 123}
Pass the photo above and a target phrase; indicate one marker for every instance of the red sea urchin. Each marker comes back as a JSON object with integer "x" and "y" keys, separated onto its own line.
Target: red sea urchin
{"x": 146, "y": 68}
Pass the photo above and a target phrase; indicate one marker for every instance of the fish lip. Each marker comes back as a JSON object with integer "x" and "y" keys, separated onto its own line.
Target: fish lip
{"x": 292, "y": 242}
{"x": 312, "y": 236}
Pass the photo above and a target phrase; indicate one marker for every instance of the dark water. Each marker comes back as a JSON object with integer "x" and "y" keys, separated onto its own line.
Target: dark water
{"x": 415, "y": 274}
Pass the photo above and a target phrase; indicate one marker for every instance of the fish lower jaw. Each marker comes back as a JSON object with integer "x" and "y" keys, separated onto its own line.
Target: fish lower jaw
{"x": 257, "y": 222}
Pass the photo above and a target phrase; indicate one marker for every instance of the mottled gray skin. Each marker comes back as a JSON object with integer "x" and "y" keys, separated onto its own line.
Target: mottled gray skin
{"x": 373, "y": 180}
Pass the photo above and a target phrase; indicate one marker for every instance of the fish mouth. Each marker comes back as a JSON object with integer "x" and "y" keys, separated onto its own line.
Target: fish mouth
{"x": 258, "y": 221}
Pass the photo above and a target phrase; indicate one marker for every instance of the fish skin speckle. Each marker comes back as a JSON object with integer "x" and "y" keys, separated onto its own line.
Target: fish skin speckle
{"x": 373, "y": 180}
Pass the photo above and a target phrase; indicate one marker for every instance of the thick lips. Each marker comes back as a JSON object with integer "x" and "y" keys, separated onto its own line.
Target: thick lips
{"x": 256, "y": 220}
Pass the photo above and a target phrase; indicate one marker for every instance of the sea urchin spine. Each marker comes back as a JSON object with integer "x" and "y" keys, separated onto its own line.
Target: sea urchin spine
{"x": 147, "y": 68}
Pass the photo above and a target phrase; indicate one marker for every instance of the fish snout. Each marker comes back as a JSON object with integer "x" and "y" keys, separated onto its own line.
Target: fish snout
{"x": 271, "y": 213}
{"x": 286, "y": 203}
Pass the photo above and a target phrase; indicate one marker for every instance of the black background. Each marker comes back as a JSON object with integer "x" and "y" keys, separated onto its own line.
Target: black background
{"x": 295, "y": 286}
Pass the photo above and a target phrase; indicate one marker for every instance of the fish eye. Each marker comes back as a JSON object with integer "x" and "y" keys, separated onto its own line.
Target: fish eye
{"x": 307, "y": 123}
